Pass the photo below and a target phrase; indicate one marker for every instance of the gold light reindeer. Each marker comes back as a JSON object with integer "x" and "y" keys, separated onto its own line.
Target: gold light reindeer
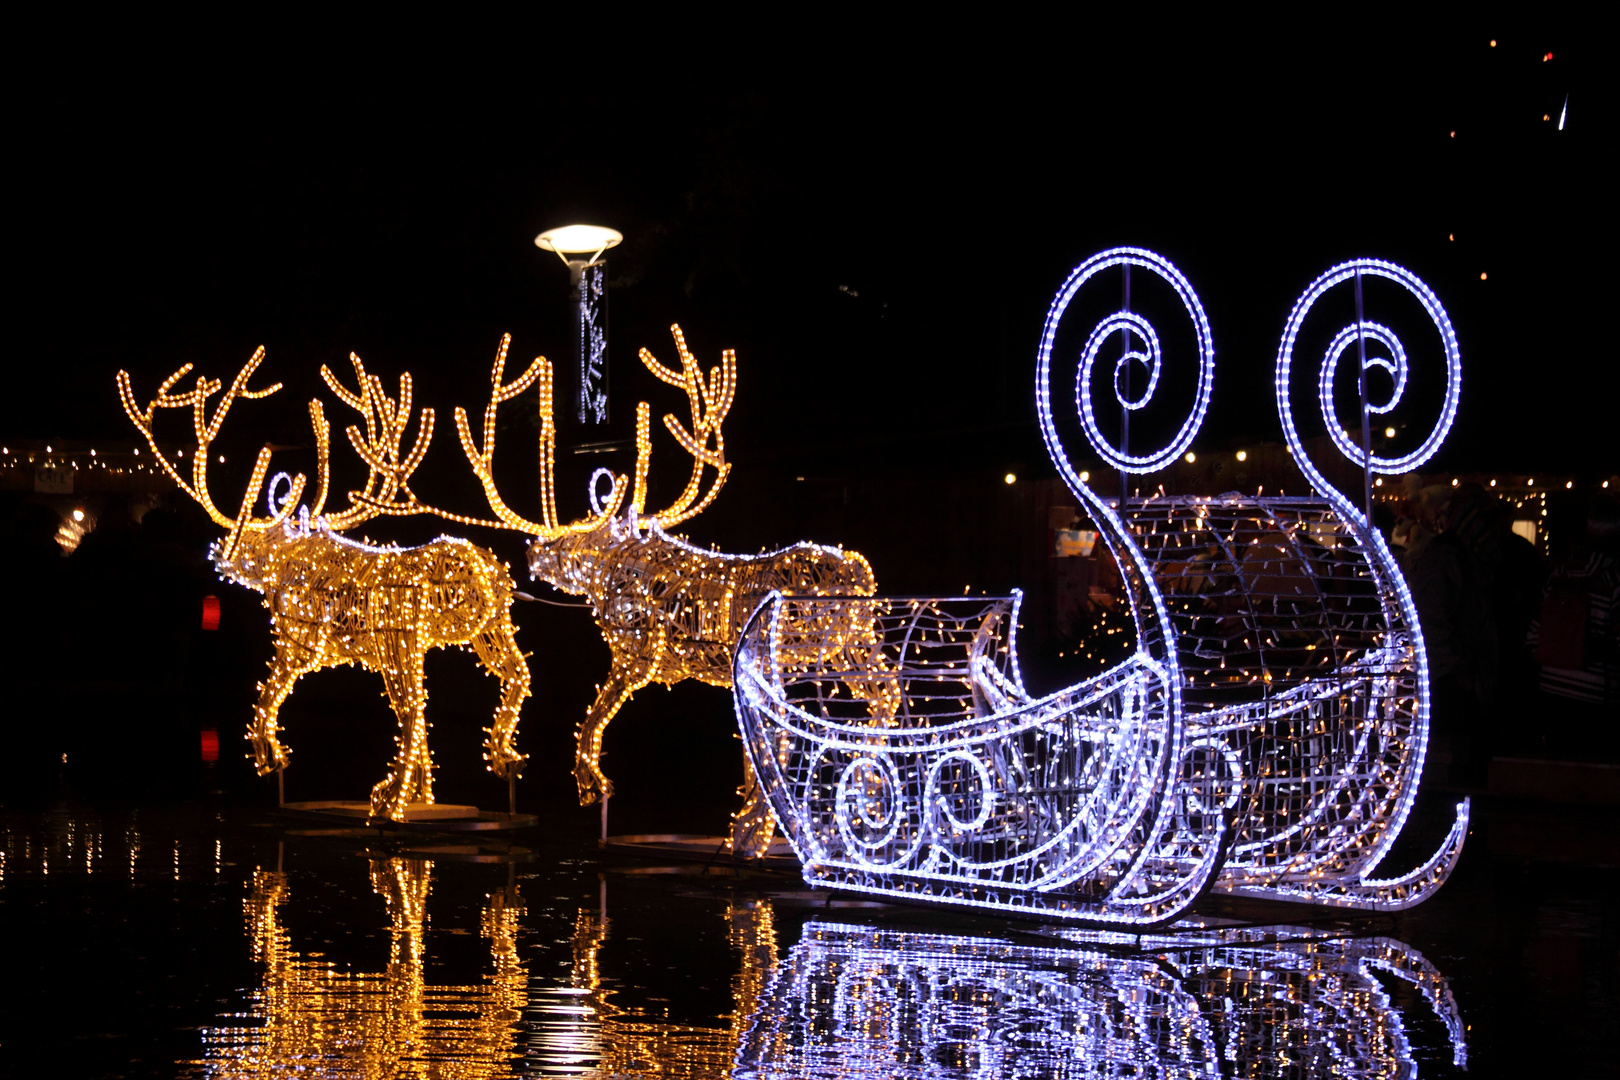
{"x": 668, "y": 611}
{"x": 334, "y": 601}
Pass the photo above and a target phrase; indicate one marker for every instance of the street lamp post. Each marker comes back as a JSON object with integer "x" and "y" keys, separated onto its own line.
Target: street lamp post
{"x": 581, "y": 247}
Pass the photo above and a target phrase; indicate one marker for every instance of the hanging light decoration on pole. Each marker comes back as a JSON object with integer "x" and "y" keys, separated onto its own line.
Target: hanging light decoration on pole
{"x": 581, "y": 248}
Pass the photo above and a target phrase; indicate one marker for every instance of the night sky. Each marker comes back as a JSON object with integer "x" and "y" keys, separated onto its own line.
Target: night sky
{"x": 876, "y": 222}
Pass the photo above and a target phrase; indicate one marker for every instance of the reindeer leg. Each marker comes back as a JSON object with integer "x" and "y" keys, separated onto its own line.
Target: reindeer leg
{"x": 498, "y": 651}
{"x": 411, "y": 779}
{"x": 292, "y": 661}
{"x": 752, "y": 826}
{"x": 623, "y": 681}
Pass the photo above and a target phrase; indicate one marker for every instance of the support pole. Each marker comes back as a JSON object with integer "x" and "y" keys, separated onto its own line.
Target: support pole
{"x": 604, "y": 819}
{"x": 281, "y": 787}
{"x": 1124, "y": 410}
{"x": 1366, "y": 419}
{"x": 511, "y": 794}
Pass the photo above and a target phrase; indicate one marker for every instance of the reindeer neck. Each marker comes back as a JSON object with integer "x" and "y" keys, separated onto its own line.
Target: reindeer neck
{"x": 256, "y": 557}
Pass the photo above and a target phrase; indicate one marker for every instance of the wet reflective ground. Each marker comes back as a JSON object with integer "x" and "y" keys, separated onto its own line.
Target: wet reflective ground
{"x": 207, "y": 940}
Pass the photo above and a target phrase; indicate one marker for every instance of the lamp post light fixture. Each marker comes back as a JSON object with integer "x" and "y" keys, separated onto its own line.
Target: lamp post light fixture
{"x": 581, "y": 247}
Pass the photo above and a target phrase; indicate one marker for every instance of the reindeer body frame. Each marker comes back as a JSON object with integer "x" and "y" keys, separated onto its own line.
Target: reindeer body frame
{"x": 668, "y": 610}
{"x": 334, "y": 601}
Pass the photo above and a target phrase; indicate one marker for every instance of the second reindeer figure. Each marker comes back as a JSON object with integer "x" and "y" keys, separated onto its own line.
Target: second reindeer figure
{"x": 668, "y": 610}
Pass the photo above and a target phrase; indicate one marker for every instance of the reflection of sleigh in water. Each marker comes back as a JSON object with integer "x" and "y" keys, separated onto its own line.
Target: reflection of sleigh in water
{"x": 857, "y": 1001}
{"x": 1266, "y": 738}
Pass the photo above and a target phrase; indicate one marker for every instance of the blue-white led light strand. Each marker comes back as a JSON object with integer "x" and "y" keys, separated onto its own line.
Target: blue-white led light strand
{"x": 1135, "y": 329}
{"x": 1397, "y": 368}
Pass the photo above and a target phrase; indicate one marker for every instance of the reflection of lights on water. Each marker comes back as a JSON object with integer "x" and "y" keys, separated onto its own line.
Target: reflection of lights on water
{"x": 1193, "y": 1003}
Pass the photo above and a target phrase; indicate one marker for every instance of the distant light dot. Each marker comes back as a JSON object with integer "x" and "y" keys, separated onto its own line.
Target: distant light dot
{"x": 1546, "y": 58}
{"x": 1451, "y": 236}
{"x": 1243, "y": 455}
{"x": 1493, "y": 483}
{"x": 1544, "y": 116}
{"x": 1493, "y": 43}
{"x": 1191, "y": 457}
{"x": 1568, "y": 484}
{"x": 1453, "y": 481}
{"x": 1482, "y": 275}
{"x": 1085, "y": 478}
{"x": 222, "y": 459}
{"x": 1605, "y": 483}
{"x": 1010, "y": 478}
{"x": 78, "y": 515}
{"x": 1389, "y": 433}
{"x": 1378, "y": 482}
{"x": 1453, "y": 134}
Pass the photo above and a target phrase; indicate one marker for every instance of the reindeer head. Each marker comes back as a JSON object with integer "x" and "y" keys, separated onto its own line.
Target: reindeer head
{"x": 244, "y": 552}
{"x": 567, "y": 556}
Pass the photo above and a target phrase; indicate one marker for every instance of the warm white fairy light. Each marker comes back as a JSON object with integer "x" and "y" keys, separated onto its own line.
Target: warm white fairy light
{"x": 334, "y": 601}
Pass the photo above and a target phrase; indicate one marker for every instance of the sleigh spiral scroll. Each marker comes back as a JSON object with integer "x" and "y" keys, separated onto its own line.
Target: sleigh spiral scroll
{"x": 1374, "y": 340}
{"x": 1139, "y": 344}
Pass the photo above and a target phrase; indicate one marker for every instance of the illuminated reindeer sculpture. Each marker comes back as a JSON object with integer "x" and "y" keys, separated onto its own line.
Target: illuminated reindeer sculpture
{"x": 334, "y": 601}
{"x": 669, "y": 611}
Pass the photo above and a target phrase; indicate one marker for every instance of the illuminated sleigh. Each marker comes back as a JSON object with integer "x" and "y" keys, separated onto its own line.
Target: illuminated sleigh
{"x": 1305, "y": 680}
{"x": 973, "y": 793}
{"x": 1275, "y": 710}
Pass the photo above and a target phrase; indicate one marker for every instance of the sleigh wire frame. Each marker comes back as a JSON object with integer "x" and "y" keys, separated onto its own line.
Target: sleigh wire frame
{"x": 1055, "y": 807}
{"x": 1302, "y": 673}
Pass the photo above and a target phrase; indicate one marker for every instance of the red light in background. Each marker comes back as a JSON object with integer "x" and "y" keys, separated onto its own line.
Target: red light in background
{"x": 1546, "y": 58}
{"x": 210, "y": 614}
{"x": 210, "y": 744}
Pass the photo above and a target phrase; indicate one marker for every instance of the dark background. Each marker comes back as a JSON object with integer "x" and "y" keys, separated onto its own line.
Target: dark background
{"x": 874, "y": 217}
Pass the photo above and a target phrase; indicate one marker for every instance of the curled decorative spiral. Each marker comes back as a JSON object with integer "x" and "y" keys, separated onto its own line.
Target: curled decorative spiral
{"x": 869, "y": 803}
{"x": 594, "y": 489}
{"x": 1141, "y": 347}
{"x": 960, "y": 792}
{"x": 1395, "y": 364}
{"x": 272, "y": 500}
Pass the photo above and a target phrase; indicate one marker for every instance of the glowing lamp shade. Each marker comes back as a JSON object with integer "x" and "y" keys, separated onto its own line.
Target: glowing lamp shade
{"x": 578, "y": 240}
{"x": 210, "y": 613}
{"x": 210, "y": 744}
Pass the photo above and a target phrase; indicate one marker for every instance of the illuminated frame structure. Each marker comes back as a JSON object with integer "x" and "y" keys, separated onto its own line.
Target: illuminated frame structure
{"x": 334, "y": 601}
{"x": 857, "y": 1000}
{"x": 1279, "y": 666}
{"x": 667, "y": 609}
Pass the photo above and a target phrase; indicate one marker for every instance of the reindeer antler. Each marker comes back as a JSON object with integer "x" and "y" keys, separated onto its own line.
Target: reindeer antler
{"x": 385, "y": 422}
{"x": 206, "y": 429}
{"x": 710, "y": 403}
{"x": 482, "y": 458}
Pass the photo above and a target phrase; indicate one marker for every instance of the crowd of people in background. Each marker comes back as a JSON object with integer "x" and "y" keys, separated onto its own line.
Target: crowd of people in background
{"x": 1522, "y": 647}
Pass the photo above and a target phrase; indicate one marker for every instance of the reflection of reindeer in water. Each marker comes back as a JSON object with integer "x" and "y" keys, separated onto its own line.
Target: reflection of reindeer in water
{"x": 631, "y": 1045}
{"x": 375, "y": 1024}
{"x": 669, "y": 611}
{"x": 335, "y": 602}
